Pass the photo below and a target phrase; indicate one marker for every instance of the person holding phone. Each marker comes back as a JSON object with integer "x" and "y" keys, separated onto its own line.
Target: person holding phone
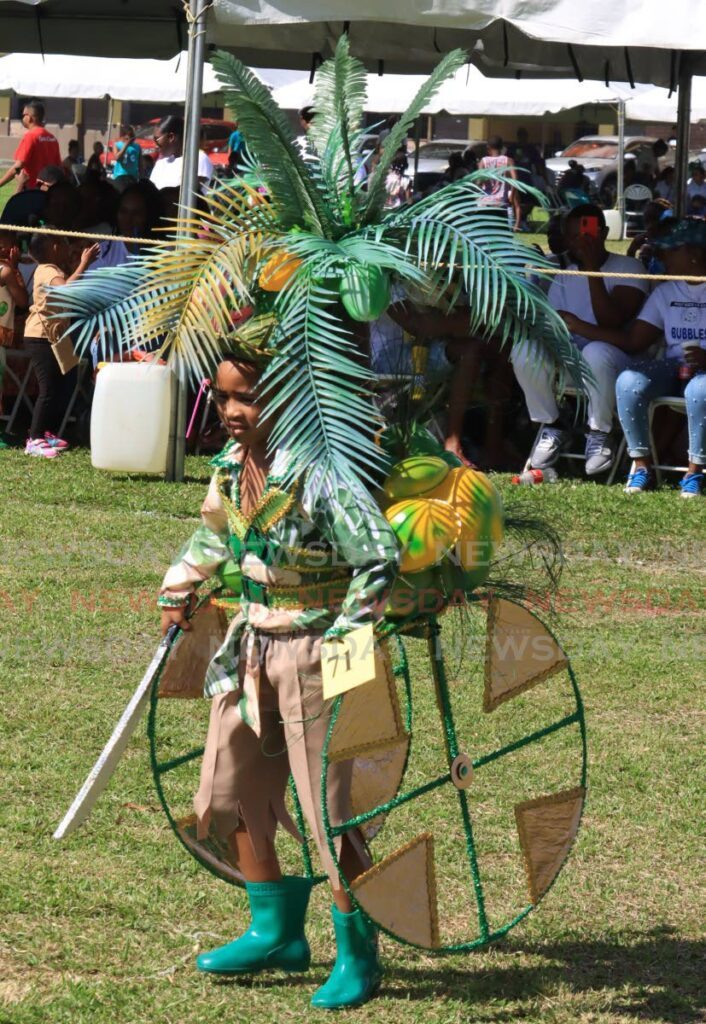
{"x": 605, "y": 303}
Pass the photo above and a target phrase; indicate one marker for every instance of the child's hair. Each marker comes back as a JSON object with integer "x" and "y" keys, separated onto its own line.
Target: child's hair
{"x": 127, "y": 129}
{"x": 40, "y": 247}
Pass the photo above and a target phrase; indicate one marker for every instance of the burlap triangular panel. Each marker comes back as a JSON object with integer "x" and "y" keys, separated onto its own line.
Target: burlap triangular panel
{"x": 547, "y": 827}
{"x": 520, "y": 652}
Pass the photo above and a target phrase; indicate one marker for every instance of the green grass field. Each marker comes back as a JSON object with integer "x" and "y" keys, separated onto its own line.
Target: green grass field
{"x": 103, "y": 927}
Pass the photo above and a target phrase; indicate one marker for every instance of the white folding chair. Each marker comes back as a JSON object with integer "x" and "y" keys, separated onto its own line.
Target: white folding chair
{"x": 678, "y": 405}
{"x": 639, "y": 196}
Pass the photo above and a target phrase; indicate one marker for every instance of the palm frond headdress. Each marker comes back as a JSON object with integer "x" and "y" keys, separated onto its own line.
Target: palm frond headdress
{"x": 306, "y": 247}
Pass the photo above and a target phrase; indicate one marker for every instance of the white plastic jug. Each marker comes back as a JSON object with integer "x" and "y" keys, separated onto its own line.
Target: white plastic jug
{"x": 130, "y": 417}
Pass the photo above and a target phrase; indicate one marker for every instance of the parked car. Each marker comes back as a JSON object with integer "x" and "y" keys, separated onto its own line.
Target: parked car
{"x": 214, "y": 141}
{"x": 434, "y": 158}
{"x": 598, "y": 155}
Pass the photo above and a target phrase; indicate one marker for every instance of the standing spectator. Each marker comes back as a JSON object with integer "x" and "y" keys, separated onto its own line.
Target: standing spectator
{"x": 73, "y": 164}
{"x": 169, "y": 140}
{"x": 603, "y": 302}
{"x": 51, "y": 253}
{"x": 236, "y": 146}
{"x": 398, "y": 183}
{"x": 657, "y": 216}
{"x": 499, "y": 193}
{"x": 526, "y": 157}
{"x": 95, "y": 166}
{"x": 37, "y": 148}
{"x": 126, "y": 168}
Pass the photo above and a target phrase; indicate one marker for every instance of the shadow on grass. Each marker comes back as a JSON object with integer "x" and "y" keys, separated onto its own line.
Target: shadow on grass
{"x": 656, "y": 976}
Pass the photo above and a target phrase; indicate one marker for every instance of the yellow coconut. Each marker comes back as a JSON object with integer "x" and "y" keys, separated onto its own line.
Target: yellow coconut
{"x": 416, "y": 475}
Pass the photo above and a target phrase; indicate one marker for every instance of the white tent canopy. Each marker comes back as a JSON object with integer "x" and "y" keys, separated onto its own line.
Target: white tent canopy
{"x": 603, "y": 40}
{"x": 157, "y": 81}
{"x": 471, "y": 93}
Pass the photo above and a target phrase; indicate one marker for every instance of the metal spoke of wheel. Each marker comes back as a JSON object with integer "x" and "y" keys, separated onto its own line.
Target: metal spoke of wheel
{"x": 450, "y": 739}
{"x": 532, "y": 737}
{"x": 403, "y": 798}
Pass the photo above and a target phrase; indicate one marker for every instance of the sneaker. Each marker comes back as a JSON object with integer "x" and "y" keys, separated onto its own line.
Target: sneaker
{"x": 40, "y": 448}
{"x": 600, "y": 454}
{"x": 55, "y": 442}
{"x": 640, "y": 481}
{"x": 692, "y": 485}
{"x": 548, "y": 448}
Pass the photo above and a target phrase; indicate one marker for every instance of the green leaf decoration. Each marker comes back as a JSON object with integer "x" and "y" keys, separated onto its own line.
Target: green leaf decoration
{"x": 270, "y": 138}
{"x": 318, "y": 384}
{"x": 447, "y": 68}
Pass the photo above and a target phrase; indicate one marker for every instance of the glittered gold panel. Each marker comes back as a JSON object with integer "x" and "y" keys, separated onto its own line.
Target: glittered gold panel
{"x": 369, "y": 718}
{"x": 214, "y": 851}
{"x": 399, "y": 892}
{"x": 376, "y": 779}
{"x": 547, "y": 828}
{"x": 520, "y": 652}
{"x": 185, "y": 671}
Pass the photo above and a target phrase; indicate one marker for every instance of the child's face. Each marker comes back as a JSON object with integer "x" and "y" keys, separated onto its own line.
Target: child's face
{"x": 238, "y": 403}
{"x": 7, "y": 243}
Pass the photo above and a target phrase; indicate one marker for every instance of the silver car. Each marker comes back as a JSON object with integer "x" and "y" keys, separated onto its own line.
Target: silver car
{"x": 598, "y": 155}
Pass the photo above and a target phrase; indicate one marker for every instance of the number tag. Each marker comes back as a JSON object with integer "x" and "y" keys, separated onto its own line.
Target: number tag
{"x": 348, "y": 662}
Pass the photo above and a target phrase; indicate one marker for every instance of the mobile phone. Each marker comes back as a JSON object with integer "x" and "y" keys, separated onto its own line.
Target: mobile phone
{"x": 589, "y": 227}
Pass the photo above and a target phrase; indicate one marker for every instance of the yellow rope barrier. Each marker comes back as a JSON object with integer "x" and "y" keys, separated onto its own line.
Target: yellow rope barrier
{"x": 552, "y": 271}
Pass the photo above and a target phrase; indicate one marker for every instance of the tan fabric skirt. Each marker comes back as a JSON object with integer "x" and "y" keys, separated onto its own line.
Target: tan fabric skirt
{"x": 244, "y": 776}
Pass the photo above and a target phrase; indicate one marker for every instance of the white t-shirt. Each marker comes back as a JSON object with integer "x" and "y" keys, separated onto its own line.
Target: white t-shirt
{"x": 679, "y": 309}
{"x": 166, "y": 173}
{"x": 572, "y": 294}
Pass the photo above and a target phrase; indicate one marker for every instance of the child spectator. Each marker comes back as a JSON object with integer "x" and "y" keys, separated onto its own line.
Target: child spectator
{"x": 51, "y": 253}
{"x": 499, "y": 193}
{"x": 12, "y": 294}
{"x": 126, "y": 169}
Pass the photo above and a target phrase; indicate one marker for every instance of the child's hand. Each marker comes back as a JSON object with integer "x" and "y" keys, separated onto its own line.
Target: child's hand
{"x": 175, "y": 617}
{"x": 89, "y": 255}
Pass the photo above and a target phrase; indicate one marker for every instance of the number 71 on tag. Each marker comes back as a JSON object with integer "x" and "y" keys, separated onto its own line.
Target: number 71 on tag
{"x": 348, "y": 662}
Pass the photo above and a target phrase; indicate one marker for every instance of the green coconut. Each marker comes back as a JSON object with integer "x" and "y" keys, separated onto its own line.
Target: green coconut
{"x": 365, "y": 293}
{"x": 414, "y": 476}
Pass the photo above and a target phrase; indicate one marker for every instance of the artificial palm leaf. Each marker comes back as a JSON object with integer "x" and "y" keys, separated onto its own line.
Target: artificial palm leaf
{"x": 376, "y": 194}
{"x": 270, "y": 139}
{"x": 318, "y": 388}
{"x": 339, "y": 103}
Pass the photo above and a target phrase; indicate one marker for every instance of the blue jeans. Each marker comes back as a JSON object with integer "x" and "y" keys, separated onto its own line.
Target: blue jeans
{"x": 636, "y": 388}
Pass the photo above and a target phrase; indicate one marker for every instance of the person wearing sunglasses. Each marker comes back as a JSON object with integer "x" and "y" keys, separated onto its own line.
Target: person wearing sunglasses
{"x": 37, "y": 149}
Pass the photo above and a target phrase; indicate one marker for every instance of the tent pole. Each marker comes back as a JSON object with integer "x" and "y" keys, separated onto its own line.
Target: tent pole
{"x": 683, "y": 131}
{"x": 189, "y": 186}
{"x": 620, "y": 183}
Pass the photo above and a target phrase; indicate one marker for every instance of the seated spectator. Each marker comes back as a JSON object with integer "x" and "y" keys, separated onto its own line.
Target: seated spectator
{"x": 677, "y": 311}
{"x": 63, "y": 206}
{"x": 697, "y": 207}
{"x": 456, "y": 169}
{"x": 469, "y": 160}
{"x": 664, "y": 186}
{"x": 603, "y": 302}
{"x": 139, "y": 212}
{"x": 575, "y": 187}
{"x": 51, "y": 253}
{"x": 95, "y": 165}
{"x": 695, "y": 189}
{"x": 169, "y": 140}
{"x": 73, "y": 165}
{"x": 450, "y": 353}
{"x": 147, "y": 166}
{"x": 657, "y": 215}
{"x": 126, "y": 166}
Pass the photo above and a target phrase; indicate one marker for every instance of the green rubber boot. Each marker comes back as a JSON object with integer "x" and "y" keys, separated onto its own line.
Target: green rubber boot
{"x": 275, "y": 938}
{"x": 357, "y": 972}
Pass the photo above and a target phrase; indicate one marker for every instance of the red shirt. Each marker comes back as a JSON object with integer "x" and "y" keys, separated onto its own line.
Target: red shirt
{"x": 37, "y": 150}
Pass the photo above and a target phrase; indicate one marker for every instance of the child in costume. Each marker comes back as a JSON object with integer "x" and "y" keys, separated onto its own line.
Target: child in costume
{"x": 312, "y": 569}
